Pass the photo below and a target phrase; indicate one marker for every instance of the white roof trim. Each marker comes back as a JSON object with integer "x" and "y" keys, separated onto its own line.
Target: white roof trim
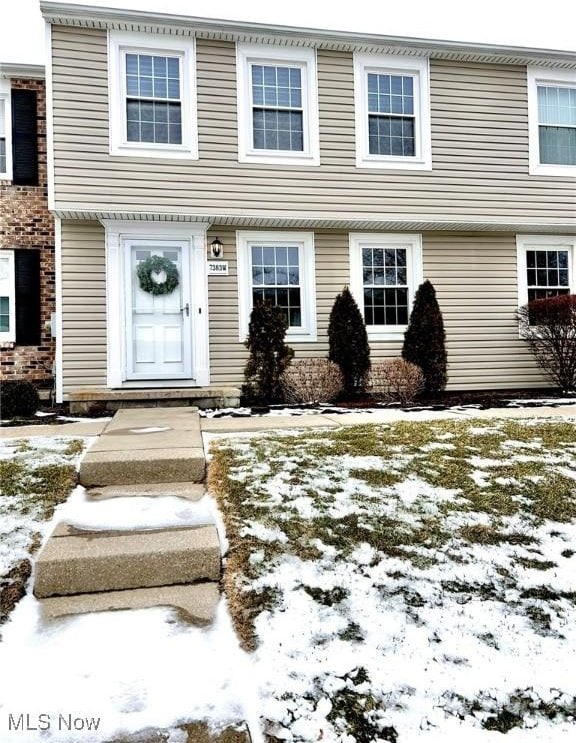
{"x": 303, "y": 222}
{"x": 23, "y": 71}
{"x": 135, "y": 20}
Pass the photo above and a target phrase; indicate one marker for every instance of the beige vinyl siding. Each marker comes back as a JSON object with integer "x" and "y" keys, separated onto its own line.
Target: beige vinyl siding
{"x": 474, "y": 276}
{"x": 83, "y": 305}
{"x": 479, "y": 149}
{"x": 475, "y": 280}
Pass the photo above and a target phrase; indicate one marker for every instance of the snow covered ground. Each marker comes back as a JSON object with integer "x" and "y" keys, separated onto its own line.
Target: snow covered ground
{"x": 100, "y": 677}
{"x": 413, "y": 582}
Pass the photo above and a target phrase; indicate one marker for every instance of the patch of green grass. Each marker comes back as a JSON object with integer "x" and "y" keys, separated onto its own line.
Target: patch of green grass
{"x": 533, "y": 564}
{"x": 376, "y": 478}
{"x": 327, "y": 598}
{"x": 12, "y": 472}
{"x": 491, "y": 535}
{"x": 74, "y": 447}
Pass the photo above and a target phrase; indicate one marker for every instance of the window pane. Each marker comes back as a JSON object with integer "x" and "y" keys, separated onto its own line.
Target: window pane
{"x": 277, "y": 118}
{"x": 556, "y": 105}
{"x": 550, "y": 278}
{"x": 391, "y": 136}
{"x": 4, "y": 314}
{"x": 386, "y": 307}
{"x": 147, "y": 121}
{"x": 557, "y": 145}
{"x": 390, "y": 94}
{"x": 278, "y": 130}
{"x": 271, "y": 269}
{"x": 2, "y": 155}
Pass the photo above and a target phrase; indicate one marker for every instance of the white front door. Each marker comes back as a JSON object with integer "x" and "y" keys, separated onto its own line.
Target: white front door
{"x": 158, "y": 326}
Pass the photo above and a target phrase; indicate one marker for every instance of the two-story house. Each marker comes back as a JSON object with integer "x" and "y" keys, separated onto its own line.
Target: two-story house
{"x": 27, "y": 280}
{"x": 302, "y": 161}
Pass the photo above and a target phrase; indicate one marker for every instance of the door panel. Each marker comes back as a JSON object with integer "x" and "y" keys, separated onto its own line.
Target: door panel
{"x": 158, "y": 326}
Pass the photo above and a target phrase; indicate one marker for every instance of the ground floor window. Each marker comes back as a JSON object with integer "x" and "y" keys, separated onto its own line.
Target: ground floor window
{"x": 545, "y": 266}
{"x": 385, "y": 271}
{"x": 278, "y": 267}
{"x": 7, "y": 297}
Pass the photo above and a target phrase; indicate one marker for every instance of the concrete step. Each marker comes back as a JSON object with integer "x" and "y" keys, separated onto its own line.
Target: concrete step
{"x": 146, "y": 446}
{"x": 197, "y": 602}
{"x": 74, "y": 561}
{"x": 192, "y": 491}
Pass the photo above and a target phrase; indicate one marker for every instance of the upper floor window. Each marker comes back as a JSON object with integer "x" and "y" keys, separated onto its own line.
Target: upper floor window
{"x": 277, "y": 105}
{"x": 385, "y": 271}
{"x": 552, "y": 121}
{"x": 278, "y": 268}
{"x": 392, "y": 112}
{"x": 5, "y": 132}
{"x": 152, "y": 96}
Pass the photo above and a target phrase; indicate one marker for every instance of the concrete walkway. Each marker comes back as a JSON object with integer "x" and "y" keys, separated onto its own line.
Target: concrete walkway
{"x": 386, "y": 415}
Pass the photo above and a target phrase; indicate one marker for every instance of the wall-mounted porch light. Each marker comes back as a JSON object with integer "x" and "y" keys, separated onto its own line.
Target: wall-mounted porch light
{"x": 216, "y": 248}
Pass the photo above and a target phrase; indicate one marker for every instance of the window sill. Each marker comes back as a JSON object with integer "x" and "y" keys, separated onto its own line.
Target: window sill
{"x": 277, "y": 158}
{"x": 393, "y": 163}
{"x": 389, "y": 333}
{"x": 566, "y": 171}
{"x": 179, "y": 153}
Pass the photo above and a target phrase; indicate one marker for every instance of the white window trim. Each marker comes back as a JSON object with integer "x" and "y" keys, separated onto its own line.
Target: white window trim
{"x": 413, "y": 244}
{"x": 305, "y": 243}
{"x": 120, "y": 43}
{"x": 118, "y": 232}
{"x": 5, "y": 96}
{"x": 544, "y": 76}
{"x": 419, "y": 68}
{"x": 543, "y": 242}
{"x": 10, "y": 335}
{"x": 246, "y": 54}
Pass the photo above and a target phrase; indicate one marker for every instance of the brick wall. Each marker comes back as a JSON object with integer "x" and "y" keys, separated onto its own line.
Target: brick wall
{"x": 26, "y": 223}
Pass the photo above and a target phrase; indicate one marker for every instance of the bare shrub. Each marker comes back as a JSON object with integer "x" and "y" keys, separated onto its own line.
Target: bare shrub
{"x": 549, "y": 326}
{"x": 394, "y": 380}
{"x": 312, "y": 380}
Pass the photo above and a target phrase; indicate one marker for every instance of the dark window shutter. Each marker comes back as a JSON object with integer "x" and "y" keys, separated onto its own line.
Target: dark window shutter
{"x": 24, "y": 138}
{"x": 27, "y": 270}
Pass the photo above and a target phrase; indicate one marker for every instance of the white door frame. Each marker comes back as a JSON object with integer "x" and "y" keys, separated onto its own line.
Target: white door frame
{"x": 118, "y": 234}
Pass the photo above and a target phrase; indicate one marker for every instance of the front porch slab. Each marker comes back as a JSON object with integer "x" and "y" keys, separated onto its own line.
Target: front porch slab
{"x": 98, "y": 399}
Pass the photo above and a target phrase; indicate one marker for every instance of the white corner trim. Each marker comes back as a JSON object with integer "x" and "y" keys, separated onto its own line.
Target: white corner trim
{"x": 419, "y": 69}
{"x": 305, "y": 59}
{"x": 305, "y": 243}
{"x": 49, "y": 118}
{"x": 413, "y": 244}
{"x": 6, "y": 97}
{"x": 58, "y": 357}
{"x": 120, "y": 42}
{"x": 118, "y": 232}
{"x": 535, "y": 77}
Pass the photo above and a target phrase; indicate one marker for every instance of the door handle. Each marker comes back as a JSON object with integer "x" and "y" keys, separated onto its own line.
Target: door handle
{"x": 185, "y": 309}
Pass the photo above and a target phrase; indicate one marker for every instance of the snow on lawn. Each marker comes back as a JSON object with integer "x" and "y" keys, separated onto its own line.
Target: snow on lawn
{"x": 36, "y": 475}
{"x": 394, "y": 590}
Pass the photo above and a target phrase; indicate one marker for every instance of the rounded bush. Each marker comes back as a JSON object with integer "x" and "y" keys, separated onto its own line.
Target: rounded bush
{"x": 18, "y": 398}
{"x": 394, "y": 380}
{"x": 312, "y": 380}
